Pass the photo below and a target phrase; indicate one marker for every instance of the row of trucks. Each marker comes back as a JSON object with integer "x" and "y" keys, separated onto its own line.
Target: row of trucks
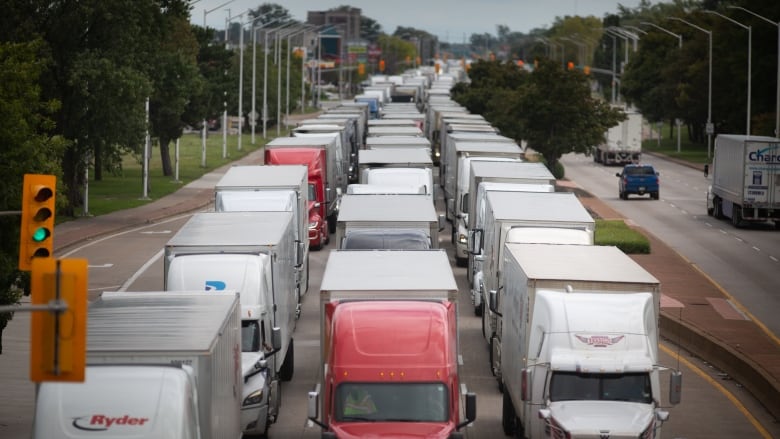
{"x": 571, "y": 328}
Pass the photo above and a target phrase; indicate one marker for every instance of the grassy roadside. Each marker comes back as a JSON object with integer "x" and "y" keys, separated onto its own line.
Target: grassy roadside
{"x": 124, "y": 190}
{"x": 689, "y": 151}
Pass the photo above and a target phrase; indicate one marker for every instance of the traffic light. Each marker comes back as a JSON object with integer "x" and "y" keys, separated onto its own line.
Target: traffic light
{"x": 381, "y": 65}
{"x": 361, "y": 69}
{"x": 586, "y": 70}
{"x": 58, "y": 337}
{"x": 570, "y": 65}
{"x": 37, "y": 229}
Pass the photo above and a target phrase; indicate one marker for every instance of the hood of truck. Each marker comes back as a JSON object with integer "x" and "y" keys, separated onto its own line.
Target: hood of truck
{"x": 248, "y": 361}
{"x": 596, "y": 418}
{"x": 395, "y": 430}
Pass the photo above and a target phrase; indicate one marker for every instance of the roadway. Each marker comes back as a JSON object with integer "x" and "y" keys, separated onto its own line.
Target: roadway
{"x": 743, "y": 261}
{"x": 712, "y": 405}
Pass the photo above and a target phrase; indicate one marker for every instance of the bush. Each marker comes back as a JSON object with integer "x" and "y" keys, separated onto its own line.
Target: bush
{"x": 617, "y": 233}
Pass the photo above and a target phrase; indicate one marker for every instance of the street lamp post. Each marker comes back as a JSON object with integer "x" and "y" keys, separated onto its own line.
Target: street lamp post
{"x": 777, "y": 100}
{"x": 254, "y": 69}
{"x": 709, "y": 128}
{"x": 749, "y": 61}
{"x": 679, "y": 46}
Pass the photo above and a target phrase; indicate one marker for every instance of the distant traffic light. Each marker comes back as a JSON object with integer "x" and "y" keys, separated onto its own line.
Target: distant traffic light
{"x": 361, "y": 69}
{"x": 37, "y": 229}
{"x": 381, "y": 65}
{"x": 58, "y": 336}
{"x": 586, "y": 70}
{"x": 570, "y": 65}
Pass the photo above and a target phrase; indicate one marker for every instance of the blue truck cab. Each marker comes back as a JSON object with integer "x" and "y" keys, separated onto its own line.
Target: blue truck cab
{"x": 639, "y": 180}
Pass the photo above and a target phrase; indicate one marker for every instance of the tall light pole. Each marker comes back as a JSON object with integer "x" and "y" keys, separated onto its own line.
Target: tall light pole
{"x": 678, "y": 36}
{"x": 749, "y": 61}
{"x": 777, "y": 99}
{"x": 710, "y": 129}
{"x": 265, "y": 76}
{"x": 205, "y": 12}
{"x": 287, "y": 103}
{"x": 254, "y": 68}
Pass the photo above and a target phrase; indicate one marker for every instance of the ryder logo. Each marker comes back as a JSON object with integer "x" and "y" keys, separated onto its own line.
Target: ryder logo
{"x": 599, "y": 341}
{"x": 103, "y": 422}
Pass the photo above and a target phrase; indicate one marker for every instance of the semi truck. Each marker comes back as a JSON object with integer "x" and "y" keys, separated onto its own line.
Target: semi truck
{"x": 622, "y": 143}
{"x": 389, "y": 348}
{"x": 159, "y": 365}
{"x": 745, "y": 179}
{"x": 398, "y": 142}
{"x": 255, "y": 254}
{"x": 379, "y": 165}
{"x": 521, "y": 217}
{"x": 579, "y": 344}
{"x": 396, "y": 222}
{"x": 327, "y": 170}
{"x": 271, "y": 188}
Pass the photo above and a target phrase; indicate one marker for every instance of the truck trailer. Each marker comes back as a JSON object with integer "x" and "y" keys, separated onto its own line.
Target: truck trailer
{"x": 622, "y": 143}
{"x": 389, "y": 348}
{"x": 745, "y": 179}
{"x": 159, "y": 365}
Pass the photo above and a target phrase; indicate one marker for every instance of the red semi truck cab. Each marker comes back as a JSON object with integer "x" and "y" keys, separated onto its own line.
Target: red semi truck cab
{"x": 389, "y": 342}
{"x": 315, "y": 159}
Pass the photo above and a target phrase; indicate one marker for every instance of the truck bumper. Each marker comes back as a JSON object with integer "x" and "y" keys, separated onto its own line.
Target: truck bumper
{"x": 254, "y": 419}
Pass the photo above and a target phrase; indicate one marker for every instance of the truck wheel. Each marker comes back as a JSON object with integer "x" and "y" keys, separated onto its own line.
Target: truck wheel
{"x": 655, "y": 195}
{"x": 717, "y": 208}
{"x": 508, "y": 416}
{"x": 736, "y": 216}
{"x": 332, "y": 224}
{"x": 484, "y": 322}
{"x": 478, "y": 311}
{"x": 461, "y": 262}
{"x": 288, "y": 367}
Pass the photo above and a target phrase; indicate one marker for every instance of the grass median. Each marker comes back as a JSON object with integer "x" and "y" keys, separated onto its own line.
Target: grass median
{"x": 617, "y": 233}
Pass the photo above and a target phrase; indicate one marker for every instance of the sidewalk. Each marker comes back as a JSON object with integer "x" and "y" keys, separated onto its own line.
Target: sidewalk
{"x": 696, "y": 313}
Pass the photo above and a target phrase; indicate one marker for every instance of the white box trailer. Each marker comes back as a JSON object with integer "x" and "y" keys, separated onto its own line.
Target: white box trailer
{"x": 398, "y": 142}
{"x": 254, "y": 253}
{"x": 159, "y": 365}
{"x": 745, "y": 179}
{"x": 579, "y": 347}
{"x": 270, "y": 188}
{"x": 378, "y": 131}
{"x": 525, "y": 173}
{"x": 622, "y": 143}
{"x": 467, "y": 146}
{"x": 385, "y": 158}
{"x": 343, "y": 132}
{"x": 448, "y": 146}
{"x": 395, "y": 222}
{"x": 522, "y": 217}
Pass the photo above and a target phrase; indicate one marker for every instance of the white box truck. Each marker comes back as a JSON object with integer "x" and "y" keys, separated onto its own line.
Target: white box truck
{"x": 522, "y": 217}
{"x": 579, "y": 344}
{"x": 622, "y": 143}
{"x": 745, "y": 179}
{"x": 255, "y": 254}
{"x": 394, "y": 222}
{"x": 159, "y": 365}
{"x": 283, "y": 188}
{"x": 534, "y": 174}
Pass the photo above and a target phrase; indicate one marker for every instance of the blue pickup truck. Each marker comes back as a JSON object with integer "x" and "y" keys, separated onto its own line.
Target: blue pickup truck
{"x": 639, "y": 180}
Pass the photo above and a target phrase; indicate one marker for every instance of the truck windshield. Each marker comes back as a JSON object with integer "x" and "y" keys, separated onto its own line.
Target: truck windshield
{"x": 640, "y": 170}
{"x": 250, "y": 336}
{"x": 391, "y": 402}
{"x": 572, "y": 386}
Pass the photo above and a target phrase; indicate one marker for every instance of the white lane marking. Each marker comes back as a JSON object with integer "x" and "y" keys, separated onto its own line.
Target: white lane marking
{"x": 114, "y": 235}
{"x": 708, "y": 224}
{"x": 684, "y": 211}
{"x": 773, "y": 258}
{"x": 108, "y": 288}
{"x": 756, "y": 248}
{"x": 141, "y": 271}
{"x": 156, "y": 232}
{"x": 100, "y": 266}
{"x": 738, "y": 239}
{"x": 723, "y": 232}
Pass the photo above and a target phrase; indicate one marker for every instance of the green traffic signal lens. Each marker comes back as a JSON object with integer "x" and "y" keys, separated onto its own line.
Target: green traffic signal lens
{"x": 40, "y": 234}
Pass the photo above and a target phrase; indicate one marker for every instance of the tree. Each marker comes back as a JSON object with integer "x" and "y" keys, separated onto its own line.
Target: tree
{"x": 28, "y": 147}
{"x": 557, "y": 113}
{"x": 370, "y": 29}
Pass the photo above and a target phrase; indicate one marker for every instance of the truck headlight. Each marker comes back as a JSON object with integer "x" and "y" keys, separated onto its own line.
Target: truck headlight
{"x": 313, "y": 225}
{"x": 462, "y": 239}
{"x": 253, "y": 398}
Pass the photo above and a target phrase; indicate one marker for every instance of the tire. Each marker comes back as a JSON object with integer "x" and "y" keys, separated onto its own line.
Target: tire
{"x": 508, "y": 416}
{"x": 490, "y": 356}
{"x": 736, "y": 216}
{"x": 332, "y": 223}
{"x": 478, "y": 311}
{"x": 710, "y": 211}
{"x": 717, "y": 208}
{"x": 461, "y": 262}
{"x": 655, "y": 195}
{"x": 288, "y": 367}
{"x": 484, "y": 322}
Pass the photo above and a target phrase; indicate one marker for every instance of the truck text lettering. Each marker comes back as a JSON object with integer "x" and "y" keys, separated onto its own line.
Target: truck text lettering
{"x": 767, "y": 155}
{"x": 103, "y": 422}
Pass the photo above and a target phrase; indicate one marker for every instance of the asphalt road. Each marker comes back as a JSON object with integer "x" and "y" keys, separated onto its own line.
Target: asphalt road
{"x": 712, "y": 406}
{"x": 745, "y": 261}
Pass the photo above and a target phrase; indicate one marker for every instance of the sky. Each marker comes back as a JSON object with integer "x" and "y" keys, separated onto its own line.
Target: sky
{"x": 450, "y": 20}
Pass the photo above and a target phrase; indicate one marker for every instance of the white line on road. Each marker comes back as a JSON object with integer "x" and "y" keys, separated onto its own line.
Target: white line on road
{"x": 141, "y": 271}
{"x": 100, "y": 266}
{"x": 684, "y": 211}
{"x": 773, "y": 258}
{"x": 756, "y": 248}
{"x": 724, "y": 232}
{"x": 708, "y": 224}
{"x": 738, "y": 239}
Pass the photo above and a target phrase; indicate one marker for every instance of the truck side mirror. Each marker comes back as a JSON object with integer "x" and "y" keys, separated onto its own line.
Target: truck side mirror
{"x": 675, "y": 387}
{"x": 471, "y": 411}
{"x": 475, "y": 241}
{"x": 464, "y": 204}
{"x": 313, "y": 407}
{"x": 300, "y": 248}
{"x": 276, "y": 338}
{"x": 441, "y": 220}
{"x": 493, "y": 300}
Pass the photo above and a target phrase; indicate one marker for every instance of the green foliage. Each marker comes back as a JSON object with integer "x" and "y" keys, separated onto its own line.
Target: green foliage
{"x": 395, "y": 52}
{"x": 617, "y": 233}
